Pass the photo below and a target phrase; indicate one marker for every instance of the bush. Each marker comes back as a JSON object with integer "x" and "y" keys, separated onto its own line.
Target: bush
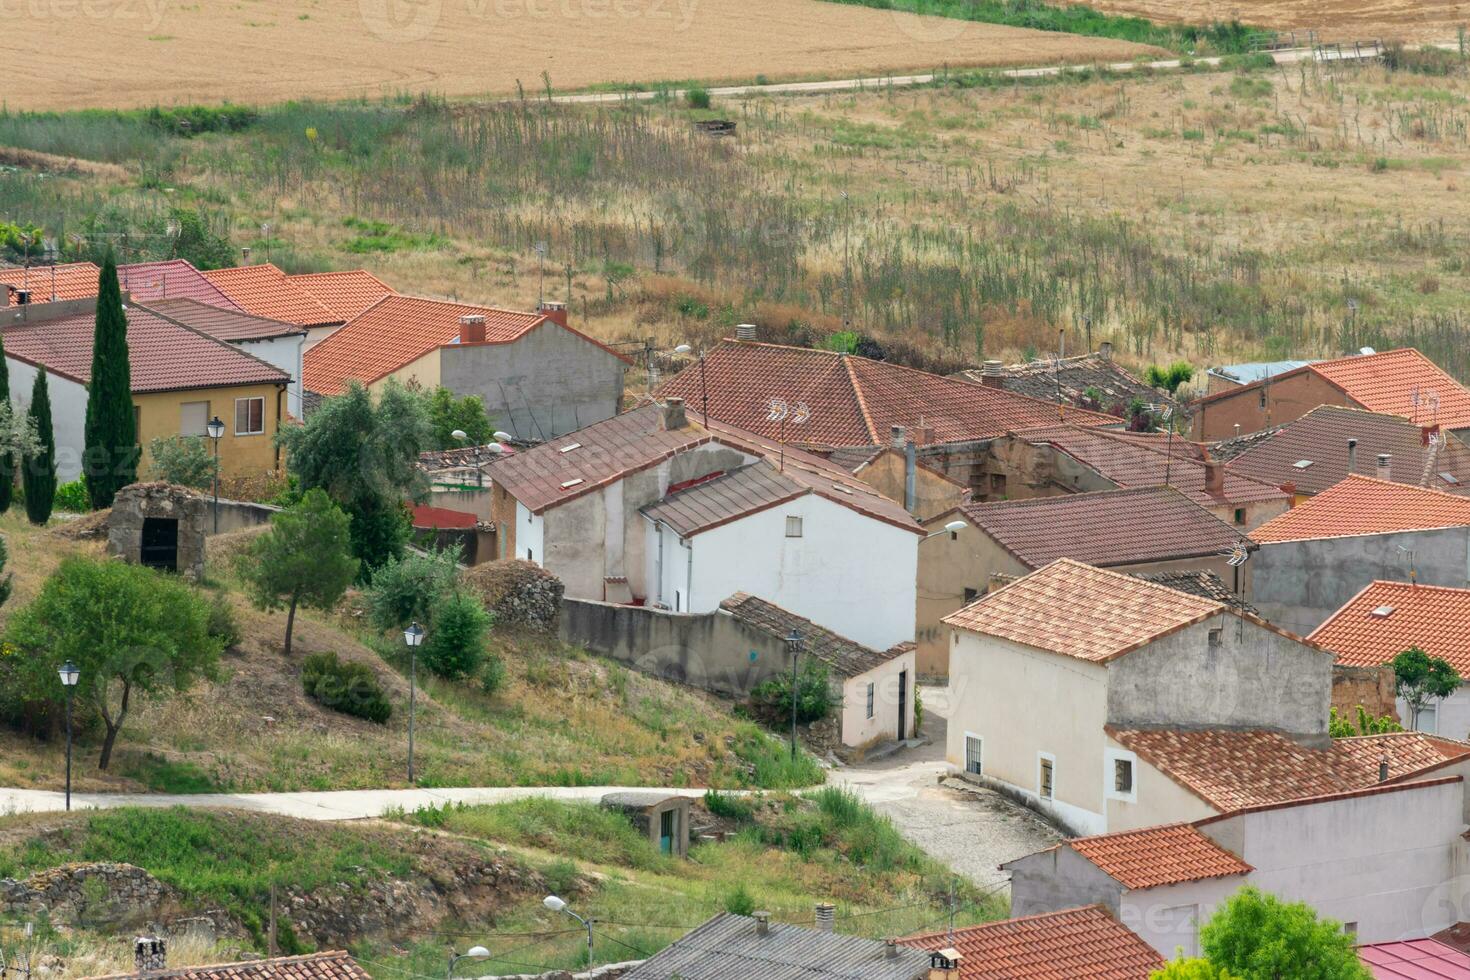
{"x": 455, "y": 645}
{"x": 771, "y": 700}
{"x": 345, "y": 686}
{"x": 728, "y": 805}
{"x": 182, "y": 460}
{"x": 222, "y": 623}
{"x": 492, "y": 674}
{"x": 739, "y": 901}
{"x": 407, "y": 589}
{"x": 73, "y": 497}
{"x": 697, "y": 96}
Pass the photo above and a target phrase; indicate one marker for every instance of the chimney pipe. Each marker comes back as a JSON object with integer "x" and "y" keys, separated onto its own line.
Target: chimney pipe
{"x": 910, "y": 478}
{"x": 826, "y": 915}
{"x": 554, "y": 311}
{"x": 762, "y": 923}
{"x": 744, "y": 331}
{"x": 472, "y": 329}
{"x": 895, "y": 433}
{"x": 1352, "y": 456}
{"x": 1237, "y": 430}
{"x": 993, "y": 374}
{"x": 1105, "y": 350}
{"x": 150, "y": 954}
{"x": 672, "y": 415}
{"x": 890, "y": 949}
{"x": 1383, "y": 761}
{"x": 1214, "y": 478}
{"x": 1384, "y": 470}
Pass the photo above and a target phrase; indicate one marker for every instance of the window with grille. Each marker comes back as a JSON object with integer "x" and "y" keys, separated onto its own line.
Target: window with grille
{"x": 974, "y": 754}
{"x": 249, "y": 416}
{"x": 871, "y": 688}
{"x": 1045, "y": 787}
{"x": 1122, "y": 775}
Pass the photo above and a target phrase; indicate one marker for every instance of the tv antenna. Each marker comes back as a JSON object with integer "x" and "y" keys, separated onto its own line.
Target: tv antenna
{"x": 782, "y": 412}
{"x": 540, "y": 249}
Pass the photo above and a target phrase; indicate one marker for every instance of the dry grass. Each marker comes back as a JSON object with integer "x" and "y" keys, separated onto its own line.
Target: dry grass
{"x": 1416, "y": 20}
{"x": 134, "y": 54}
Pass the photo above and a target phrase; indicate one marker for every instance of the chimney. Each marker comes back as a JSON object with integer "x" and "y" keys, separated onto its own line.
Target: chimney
{"x": 554, "y": 311}
{"x": 1105, "y": 350}
{"x": 910, "y": 478}
{"x": 762, "y": 923}
{"x": 472, "y": 329}
{"x": 890, "y": 949}
{"x": 1384, "y": 470}
{"x": 22, "y": 297}
{"x": 826, "y": 915}
{"x": 923, "y": 434}
{"x": 895, "y": 433}
{"x": 993, "y": 374}
{"x": 1214, "y": 478}
{"x": 744, "y": 331}
{"x": 672, "y": 415}
{"x": 1383, "y": 761}
{"x": 1237, "y": 430}
{"x": 1289, "y": 489}
{"x": 945, "y": 964}
{"x": 1352, "y": 456}
{"x": 150, "y": 954}
{"x": 245, "y": 254}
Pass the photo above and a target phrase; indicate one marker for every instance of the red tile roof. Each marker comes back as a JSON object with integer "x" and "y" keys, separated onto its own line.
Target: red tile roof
{"x": 1415, "y": 959}
{"x": 174, "y": 279}
{"x": 1111, "y": 527}
{"x": 72, "y": 280}
{"x": 1133, "y": 459}
{"x": 441, "y": 517}
{"x": 1075, "y": 944}
{"x": 164, "y": 355}
{"x": 1164, "y": 855}
{"x": 395, "y": 332}
{"x": 265, "y": 290}
{"x": 347, "y": 294}
{"x": 852, "y": 401}
{"x": 1433, "y": 618}
{"x": 847, "y": 658}
{"x": 1233, "y": 769}
{"x": 227, "y": 324}
{"x": 1363, "y": 505}
{"x": 1083, "y": 612}
{"x": 334, "y": 965}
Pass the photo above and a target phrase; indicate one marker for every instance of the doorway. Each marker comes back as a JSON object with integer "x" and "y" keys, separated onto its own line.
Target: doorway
{"x": 160, "y": 545}
{"x": 667, "y": 821}
{"x": 903, "y": 705}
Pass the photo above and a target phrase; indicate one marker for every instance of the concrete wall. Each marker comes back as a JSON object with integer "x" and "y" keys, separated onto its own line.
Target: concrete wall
{"x": 285, "y": 353}
{"x": 1286, "y": 399}
{"x": 1298, "y": 584}
{"x": 857, "y": 727}
{"x": 547, "y": 383}
{"x": 1252, "y": 677}
{"x": 236, "y": 515}
{"x": 68, "y": 414}
{"x": 1059, "y": 878}
{"x": 934, "y": 493}
{"x": 477, "y": 502}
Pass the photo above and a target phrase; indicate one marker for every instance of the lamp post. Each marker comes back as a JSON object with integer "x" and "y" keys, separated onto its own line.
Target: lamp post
{"x": 557, "y": 905}
{"x": 216, "y": 431}
{"x": 69, "y": 677}
{"x": 473, "y": 953}
{"x": 795, "y": 644}
{"x": 413, "y": 636}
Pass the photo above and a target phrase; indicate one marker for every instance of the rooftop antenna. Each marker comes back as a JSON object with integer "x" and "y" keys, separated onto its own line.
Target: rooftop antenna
{"x": 782, "y": 412}
{"x": 847, "y": 259}
{"x": 540, "y": 249}
{"x": 1167, "y": 414}
{"x": 1413, "y": 570}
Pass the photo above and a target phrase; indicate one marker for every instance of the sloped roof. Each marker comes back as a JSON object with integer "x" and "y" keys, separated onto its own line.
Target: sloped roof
{"x": 163, "y": 355}
{"x": 1415, "y": 959}
{"x": 846, "y": 657}
{"x": 1206, "y": 585}
{"x": 853, "y": 401}
{"x": 172, "y": 279}
{"x": 1319, "y": 440}
{"x": 728, "y": 948}
{"x": 1133, "y": 459}
{"x": 228, "y": 324}
{"x": 1387, "y": 618}
{"x": 1084, "y": 943}
{"x": 1084, "y": 612}
{"x": 1233, "y": 769}
{"x": 1244, "y": 374}
{"x": 1163, "y": 855}
{"x": 1110, "y": 527}
{"x": 1364, "y": 505}
{"x": 70, "y": 280}
{"x": 347, "y": 294}
{"x": 265, "y": 290}
{"x": 1040, "y": 379}
{"x": 333, "y": 965}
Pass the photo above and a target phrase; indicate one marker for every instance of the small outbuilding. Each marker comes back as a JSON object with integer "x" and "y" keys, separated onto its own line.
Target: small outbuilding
{"x": 159, "y": 525}
{"x": 664, "y": 818}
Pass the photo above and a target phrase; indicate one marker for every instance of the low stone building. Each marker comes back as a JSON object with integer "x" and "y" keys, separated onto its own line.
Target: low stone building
{"x": 159, "y": 525}
{"x": 663, "y": 818}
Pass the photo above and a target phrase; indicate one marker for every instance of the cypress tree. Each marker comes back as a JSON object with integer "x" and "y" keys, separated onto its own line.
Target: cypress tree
{"x": 110, "y": 459}
{"x": 7, "y": 460}
{"x": 38, "y": 472}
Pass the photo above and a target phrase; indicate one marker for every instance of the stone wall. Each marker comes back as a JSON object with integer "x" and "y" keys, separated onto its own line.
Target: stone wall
{"x": 1372, "y": 687}
{"x": 115, "y": 896}
{"x": 138, "y": 502}
{"x": 518, "y": 593}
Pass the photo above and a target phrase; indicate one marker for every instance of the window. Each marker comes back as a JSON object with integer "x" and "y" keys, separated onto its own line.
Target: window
{"x": 870, "y": 699}
{"x": 974, "y": 754}
{"x": 529, "y": 556}
{"x": 1426, "y": 719}
{"x": 1045, "y": 777}
{"x": 1350, "y": 928}
{"x": 997, "y": 483}
{"x": 249, "y": 416}
{"x": 193, "y": 417}
{"x": 793, "y": 527}
{"x": 1240, "y": 515}
{"x": 971, "y": 595}
{"x": 1217, "y": 636}
{"x": 678, "y": 601}
{"x": 1122, "y": 775}
{"x": 1263, "y": 397}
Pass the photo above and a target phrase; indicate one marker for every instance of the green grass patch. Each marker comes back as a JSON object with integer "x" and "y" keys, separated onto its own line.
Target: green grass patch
{"x": 774, "y": 766}
{"x": 163, "y": 775}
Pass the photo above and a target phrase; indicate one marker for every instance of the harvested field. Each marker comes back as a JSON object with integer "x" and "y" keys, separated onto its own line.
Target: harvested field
{"x": 136, "y": 53}
{"x": 1338, "y": 20}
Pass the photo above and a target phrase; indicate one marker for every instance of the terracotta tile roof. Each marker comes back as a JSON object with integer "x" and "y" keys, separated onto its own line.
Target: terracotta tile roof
{"x": 846, "y": 657}
{"x": 1083, "y": 612}
{"x": 853, "y": 401}
{"x": 1233, "y": 769}
{"x": 1133, "y": 459}
{"x": 724, "y": 498}
{"x": 441, "y": 517}
{"x": 71, "y": 280}
{"x": 1363, "y": 505}
{"x": 1111, "y": 527}
{"x": 1075, "y": 944}
{"x": 1164, "y": 855}
{"x": 1319, "y": 439}
{"x": 334, "y": 965}
{"x": 164, "y": 355}
{"x": 265, "y": 290}
{"x": 228, "y": 324}
{"x": 1039, "y": 379}
{"x": 398, "y": 330}
{"x": 347, "y": 294}
{"x": 1206, "y": 585}
{"x": 1415, "y": 959}
{"x": 1433, "y": 618}
{"x": 173, "y": 279}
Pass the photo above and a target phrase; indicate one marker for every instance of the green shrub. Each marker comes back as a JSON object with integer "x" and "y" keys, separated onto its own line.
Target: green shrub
{"x": 492, "y": 674}
{"x": 697, "y": 96}
{"x": 455, "y": 645}
{"x": 772, "y": 765}
{"x": 222, "y": 623}
{"x": 771, "y": 700}
{"x": 345, "y": 686}
{"x": 73, "y": 497}
{"x": 182, "y": 460}
{"x": 728, "y": 805}
{"x": 739, "y": 901}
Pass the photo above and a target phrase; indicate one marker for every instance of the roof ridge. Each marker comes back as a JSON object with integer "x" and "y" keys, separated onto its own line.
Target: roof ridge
{"x": 1015, "y": 920}
{"x": 857, "y": 391}
{"x": 233, "y": 348}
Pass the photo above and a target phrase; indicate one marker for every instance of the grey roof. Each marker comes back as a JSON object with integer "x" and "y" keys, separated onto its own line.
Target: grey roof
{"x": 721, "y": 500}
{"x": 727, "y": 947}
{"x": 1250, "y": 373}
{"x": 1206, "y": 585}
{"x": 845, "y": 657}
{"x": 638, "y": 799}
{"x": 1039, "y": 379}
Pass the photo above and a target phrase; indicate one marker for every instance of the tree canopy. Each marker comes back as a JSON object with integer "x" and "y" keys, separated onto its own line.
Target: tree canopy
{"x": 38, "y": 465}
{"x": 1420, "y": 679}
{"x": 448, "y": 413}
{"x": 1256, "y": 936}
{"x": 110, "y": 457}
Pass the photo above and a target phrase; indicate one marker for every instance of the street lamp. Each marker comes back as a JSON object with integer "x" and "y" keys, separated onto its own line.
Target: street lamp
{"x": 413, "y": 636}
{"x": 795, "y": 644}
{"x": 69, "y": 677}
{"x": 473, "y": 953}
{"x": 953, "y": 527}
{"x": 216, "y": 431}
{"x": 557, "y": 905}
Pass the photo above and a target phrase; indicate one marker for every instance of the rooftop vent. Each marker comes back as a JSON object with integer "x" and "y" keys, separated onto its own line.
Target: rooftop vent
{"x": 762, "y": 923}
{"x": 1302, "y": 464}
{"x": 569, "y": 447}
{"x": 745, "y": 331}
{"x": 826, "y": 916}
{"x": 1384, "y": 469}
{"x": 993, "y": 374}
{"x": 572, "y": 483}
{"x": 1382, "y": 612}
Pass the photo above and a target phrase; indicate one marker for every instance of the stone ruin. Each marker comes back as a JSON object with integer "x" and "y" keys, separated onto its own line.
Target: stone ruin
{"x": 159, "y": 525}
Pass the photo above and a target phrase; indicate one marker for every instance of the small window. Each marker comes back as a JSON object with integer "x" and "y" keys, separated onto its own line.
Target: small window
{"x": 1382, "y": 612}
{"x": 1217, "y": 636}
{"x": 974, "y": 754}
{"x": 1045, "y": 783}
{"x": 971, "y": 595}
{"x": 678, "y": 601}
{"x": 529, "y": 556}
{"x": 793, "y": 527}
{"x": 193, "y": 417}
{"x": 998, "y": 484}
{"x": 1263, "y": 397}
{"x": 1240, "y": 516}
{"x": 1122, "y": 775}
{"x": 1350, "y": 928}
{"x": 1302, "y": 464}
{"x": 249, "y": 416}
{"x": 870, "y": 699}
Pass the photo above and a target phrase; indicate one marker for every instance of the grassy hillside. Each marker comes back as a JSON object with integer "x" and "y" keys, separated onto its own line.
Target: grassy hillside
{"x": 562, "y": 718}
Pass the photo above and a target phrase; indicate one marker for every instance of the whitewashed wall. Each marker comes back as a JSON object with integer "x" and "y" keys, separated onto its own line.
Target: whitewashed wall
{"x": 68, "y": 414}
{"x": 284, "y": 353}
